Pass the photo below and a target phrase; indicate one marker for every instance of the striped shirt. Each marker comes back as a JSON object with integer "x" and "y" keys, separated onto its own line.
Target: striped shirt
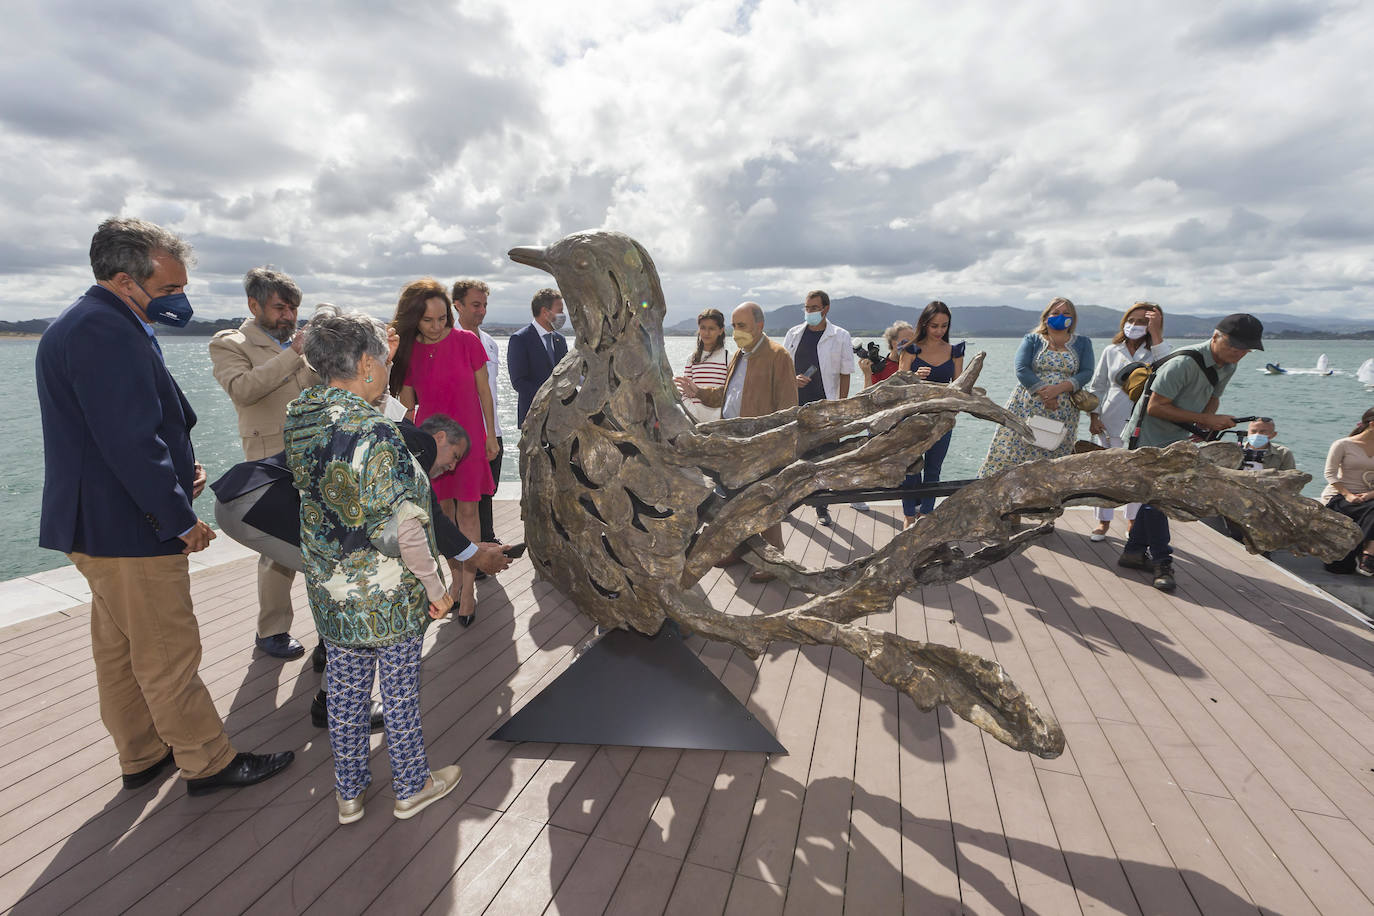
{"x": 709, "y": 373}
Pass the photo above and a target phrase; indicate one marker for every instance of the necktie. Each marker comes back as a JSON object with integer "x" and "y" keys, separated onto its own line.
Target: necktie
{"x": 548, "y": 345}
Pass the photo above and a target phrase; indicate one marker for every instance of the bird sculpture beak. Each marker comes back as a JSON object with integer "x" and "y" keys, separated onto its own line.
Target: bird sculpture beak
{"x": 534, "y": 257}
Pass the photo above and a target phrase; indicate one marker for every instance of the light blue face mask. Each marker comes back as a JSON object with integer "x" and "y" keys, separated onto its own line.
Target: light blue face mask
{"x": 814, "y": 318}
{"x": 1258, "y": 440}
{"x": 1058, "y": 322}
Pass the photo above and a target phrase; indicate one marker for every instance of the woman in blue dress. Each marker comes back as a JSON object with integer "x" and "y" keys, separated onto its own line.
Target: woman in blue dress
{"x": 937, "y": 360}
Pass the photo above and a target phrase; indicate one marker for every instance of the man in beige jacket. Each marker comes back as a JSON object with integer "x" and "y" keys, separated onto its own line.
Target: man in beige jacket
{"x": 261, "y": 367}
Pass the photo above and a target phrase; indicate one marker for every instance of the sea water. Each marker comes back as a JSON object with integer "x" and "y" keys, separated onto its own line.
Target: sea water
{"x": 1310, "y": 411}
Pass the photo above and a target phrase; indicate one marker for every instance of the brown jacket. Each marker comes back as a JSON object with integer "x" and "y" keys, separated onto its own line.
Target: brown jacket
{"x": 770, "y": 385}
{"x": 261, "y": 379}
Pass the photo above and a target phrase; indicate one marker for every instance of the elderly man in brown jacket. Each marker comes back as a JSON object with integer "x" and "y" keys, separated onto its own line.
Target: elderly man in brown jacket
{"x": 760, "y": 380}
{"x": 261, "y": 366}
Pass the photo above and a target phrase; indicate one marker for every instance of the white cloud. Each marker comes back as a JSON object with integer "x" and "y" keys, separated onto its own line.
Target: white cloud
{"x": 1201, "y": 154}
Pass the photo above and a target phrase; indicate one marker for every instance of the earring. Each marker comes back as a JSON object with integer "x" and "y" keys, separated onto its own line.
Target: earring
{"x": 369, "y": 380}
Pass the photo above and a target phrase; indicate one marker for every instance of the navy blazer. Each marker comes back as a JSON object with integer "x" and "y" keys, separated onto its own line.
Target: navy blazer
{"x": 117, "y": 458}
{"x": 528, "y": 364}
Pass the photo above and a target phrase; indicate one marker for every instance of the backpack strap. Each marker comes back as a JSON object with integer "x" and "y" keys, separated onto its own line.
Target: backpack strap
{"x": 1144, "y": 403}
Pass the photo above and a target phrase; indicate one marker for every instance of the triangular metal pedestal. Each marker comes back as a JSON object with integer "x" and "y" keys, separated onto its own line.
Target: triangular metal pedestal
{"x": 640, "y": 691}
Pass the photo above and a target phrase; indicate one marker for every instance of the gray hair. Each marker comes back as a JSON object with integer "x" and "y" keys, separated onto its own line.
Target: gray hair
{"x": 890, "y": 335}
{"x": 127, "y": 245}
{"x": 443, "y": 423}
{"x": 335, "y": 341}
{"x": 261, "y": 283}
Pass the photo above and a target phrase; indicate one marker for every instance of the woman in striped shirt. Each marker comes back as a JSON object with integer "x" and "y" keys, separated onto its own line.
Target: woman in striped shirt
{"x": 709, "y": 362}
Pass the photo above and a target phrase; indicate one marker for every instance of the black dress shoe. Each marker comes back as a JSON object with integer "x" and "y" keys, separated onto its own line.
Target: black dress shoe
{"x": 466, "y": 619}
{"x": 318, "y": 657}
{"x": 281, "y": 645}
{"x": 143, "y": 777}
{"x": 319, "y": 714}
{"x": 244, "y": 770}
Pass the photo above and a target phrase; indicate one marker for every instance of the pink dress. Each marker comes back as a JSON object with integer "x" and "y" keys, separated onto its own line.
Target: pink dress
{"x": 442, "y": 376}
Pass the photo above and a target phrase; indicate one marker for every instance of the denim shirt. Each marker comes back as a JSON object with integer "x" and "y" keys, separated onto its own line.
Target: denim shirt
{"x": 1033, "y": 343}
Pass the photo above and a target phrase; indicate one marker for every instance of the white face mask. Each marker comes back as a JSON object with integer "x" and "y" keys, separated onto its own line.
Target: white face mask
{"x": 1136, "y": 331}
{"x": 559, "y": 320}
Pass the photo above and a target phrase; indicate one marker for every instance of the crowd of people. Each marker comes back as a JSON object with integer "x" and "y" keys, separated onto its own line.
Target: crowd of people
{"x": 390, "y": 436}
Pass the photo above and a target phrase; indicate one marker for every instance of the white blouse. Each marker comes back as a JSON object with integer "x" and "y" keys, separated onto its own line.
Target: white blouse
{"x": 1115, "y": 407}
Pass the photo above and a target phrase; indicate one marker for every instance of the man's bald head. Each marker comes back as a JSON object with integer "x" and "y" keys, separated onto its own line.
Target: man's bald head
{"x": 748, "y": 316}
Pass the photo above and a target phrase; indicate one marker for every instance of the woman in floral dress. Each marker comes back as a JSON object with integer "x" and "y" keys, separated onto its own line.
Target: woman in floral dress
{"x": 1051, "y": 363}
{"x": 372, "y": 573}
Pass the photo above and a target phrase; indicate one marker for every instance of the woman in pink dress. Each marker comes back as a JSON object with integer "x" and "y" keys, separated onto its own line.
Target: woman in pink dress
{"x": 440, "y": 368}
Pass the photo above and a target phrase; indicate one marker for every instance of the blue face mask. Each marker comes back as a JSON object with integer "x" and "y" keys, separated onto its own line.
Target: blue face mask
{"x": 174, "y": 309}
{"x": 814, "y": 318}
{"x": 1258, "y": 440}
{"x": 1058, "y": 322}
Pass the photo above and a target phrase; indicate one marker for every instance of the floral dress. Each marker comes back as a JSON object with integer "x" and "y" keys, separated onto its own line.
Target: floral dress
{"x": 1008, "y": 449}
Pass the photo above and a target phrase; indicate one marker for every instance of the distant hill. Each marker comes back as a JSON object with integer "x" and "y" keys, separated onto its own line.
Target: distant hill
{"x": 870, "y": 318}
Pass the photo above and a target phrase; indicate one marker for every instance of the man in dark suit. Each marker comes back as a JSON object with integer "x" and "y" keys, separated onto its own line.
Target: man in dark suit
{"x": 535, "y": 349}
{"x": 119, "y": 477}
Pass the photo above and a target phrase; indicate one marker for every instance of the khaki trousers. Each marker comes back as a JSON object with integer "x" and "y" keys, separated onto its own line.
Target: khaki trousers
{"x": 274, "y": 597}
{"x": 146, "y": 645}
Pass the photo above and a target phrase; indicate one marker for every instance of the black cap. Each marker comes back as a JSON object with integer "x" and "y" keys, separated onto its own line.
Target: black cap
{"x": 1242, "y": 331}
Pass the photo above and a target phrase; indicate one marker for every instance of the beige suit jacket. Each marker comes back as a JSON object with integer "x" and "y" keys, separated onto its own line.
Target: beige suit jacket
{"x": 261, "y": 379}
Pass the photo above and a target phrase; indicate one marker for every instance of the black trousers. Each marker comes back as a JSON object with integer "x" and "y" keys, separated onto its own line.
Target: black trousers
{"x": 1361, "y": 514}
{"x": 484, "y": 505}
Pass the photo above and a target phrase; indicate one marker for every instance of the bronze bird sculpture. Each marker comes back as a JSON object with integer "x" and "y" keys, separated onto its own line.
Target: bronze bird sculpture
{"x": 627, "y": 501}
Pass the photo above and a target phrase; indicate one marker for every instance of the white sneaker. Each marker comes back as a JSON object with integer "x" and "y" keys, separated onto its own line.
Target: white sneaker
{"x": 862, "y": 507}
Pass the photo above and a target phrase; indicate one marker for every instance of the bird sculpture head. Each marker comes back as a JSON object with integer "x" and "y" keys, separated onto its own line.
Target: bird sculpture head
{"x": 608, "y": 282}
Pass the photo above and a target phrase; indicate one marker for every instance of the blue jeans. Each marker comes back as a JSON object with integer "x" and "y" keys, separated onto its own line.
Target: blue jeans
{"x": 1150, "y": 531}
{"x": 935, "y": 459}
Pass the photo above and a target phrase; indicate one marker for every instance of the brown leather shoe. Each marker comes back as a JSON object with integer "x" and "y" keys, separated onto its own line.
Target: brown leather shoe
{"x": 760, "y": 575}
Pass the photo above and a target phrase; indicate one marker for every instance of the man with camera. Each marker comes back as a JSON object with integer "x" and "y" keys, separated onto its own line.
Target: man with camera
{"x": 1185, "y": 392}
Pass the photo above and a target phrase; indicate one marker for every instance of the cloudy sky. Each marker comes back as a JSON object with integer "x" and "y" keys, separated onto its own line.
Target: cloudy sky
{"x": 1212, "y": 156}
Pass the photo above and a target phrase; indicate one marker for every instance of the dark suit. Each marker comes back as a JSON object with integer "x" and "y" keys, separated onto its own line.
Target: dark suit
{"x": 117, "y": 457}
{"x": 528, "y": 364}
{"x": 119, "y": 471}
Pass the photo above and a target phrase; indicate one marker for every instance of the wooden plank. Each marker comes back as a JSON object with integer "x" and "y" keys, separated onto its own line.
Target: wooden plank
{"x": 646, "y": 884}
{"x": 587, "y": 889}
{"x": 873, "y": 880}
{"x": 541, "y": 870}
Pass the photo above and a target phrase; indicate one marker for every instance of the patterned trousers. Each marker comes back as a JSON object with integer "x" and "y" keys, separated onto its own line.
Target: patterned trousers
{"x": 350, "y": 671}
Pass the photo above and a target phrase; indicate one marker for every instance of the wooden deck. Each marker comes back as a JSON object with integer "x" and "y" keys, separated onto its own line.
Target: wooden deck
{"x": 1220, "y": 760}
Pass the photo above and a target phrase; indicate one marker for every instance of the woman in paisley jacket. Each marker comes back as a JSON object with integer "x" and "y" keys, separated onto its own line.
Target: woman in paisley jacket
{"x": 371, "y": 568}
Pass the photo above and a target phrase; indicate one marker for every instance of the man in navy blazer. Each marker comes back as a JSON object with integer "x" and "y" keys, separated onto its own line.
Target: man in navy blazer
{"x": 119, "y": 477}
{"x": 536, "y": 348}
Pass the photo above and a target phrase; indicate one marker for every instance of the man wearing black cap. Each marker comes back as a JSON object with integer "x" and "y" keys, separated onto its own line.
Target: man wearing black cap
{"x": 1186, "y": 390}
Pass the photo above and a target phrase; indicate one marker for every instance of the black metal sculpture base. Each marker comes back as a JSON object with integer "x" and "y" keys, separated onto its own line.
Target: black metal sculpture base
{"x": 640, "y": 691}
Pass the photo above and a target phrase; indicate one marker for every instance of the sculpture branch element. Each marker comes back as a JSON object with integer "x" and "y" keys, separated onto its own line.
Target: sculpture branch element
{"x": 627, "y": 502}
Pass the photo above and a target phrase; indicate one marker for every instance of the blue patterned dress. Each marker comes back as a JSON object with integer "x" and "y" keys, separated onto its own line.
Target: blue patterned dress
{"x": 1008, "y": 449}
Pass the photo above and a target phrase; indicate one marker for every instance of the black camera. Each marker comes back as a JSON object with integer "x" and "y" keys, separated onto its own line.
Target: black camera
{"x": 874, "y": 356}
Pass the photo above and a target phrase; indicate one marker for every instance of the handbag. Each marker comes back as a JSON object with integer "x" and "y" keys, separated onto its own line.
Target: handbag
{"x": 1084, "y": 399}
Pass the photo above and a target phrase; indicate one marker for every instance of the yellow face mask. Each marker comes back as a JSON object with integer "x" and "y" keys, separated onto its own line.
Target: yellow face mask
{"x": 743, "y": 339}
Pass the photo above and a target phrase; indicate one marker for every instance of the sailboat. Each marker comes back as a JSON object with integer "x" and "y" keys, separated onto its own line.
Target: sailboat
{"x": 1324, "y": 365}
{"x": 1366, "y": 373}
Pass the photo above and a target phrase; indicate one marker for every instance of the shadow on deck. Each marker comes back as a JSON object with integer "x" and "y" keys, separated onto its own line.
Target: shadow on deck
{"x": 1220, "y": 759}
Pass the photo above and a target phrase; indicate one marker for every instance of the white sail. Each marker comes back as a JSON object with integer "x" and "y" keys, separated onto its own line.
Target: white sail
{"x": 1366, "y": 373}
{"x": 1323, "y": 364}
